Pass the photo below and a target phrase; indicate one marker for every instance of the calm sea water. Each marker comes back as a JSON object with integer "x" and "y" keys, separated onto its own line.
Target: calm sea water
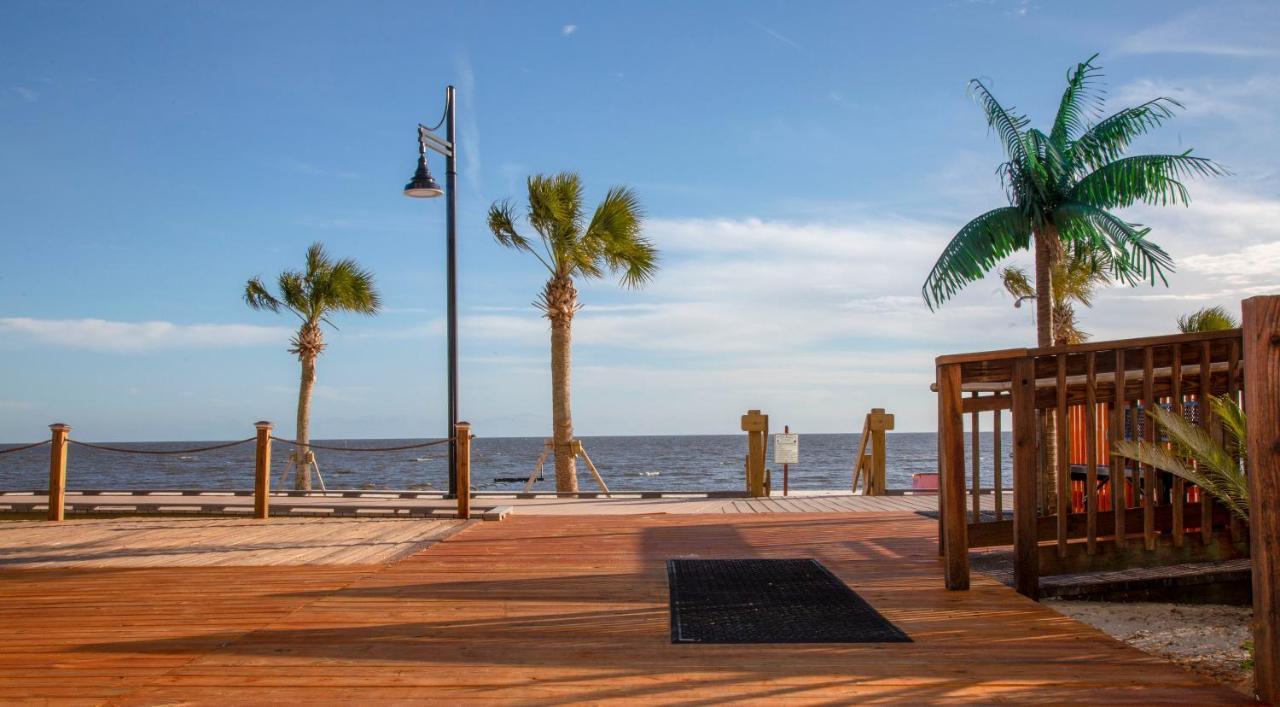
{"x": 674, "y": 463}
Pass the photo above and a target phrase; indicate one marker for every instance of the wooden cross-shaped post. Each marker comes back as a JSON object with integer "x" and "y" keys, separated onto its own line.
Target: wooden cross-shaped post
{"x": 756, "y": 425}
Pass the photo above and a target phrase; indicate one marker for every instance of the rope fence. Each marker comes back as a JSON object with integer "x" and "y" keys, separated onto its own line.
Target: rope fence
{"x": 159, "y": 452}
{"x": 33, "y": 445}
{"x": 61, "y": 440}
{"x": 311, "y": 445}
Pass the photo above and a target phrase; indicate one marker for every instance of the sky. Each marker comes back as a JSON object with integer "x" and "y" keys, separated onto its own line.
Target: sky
{"x": 801, "y": 166}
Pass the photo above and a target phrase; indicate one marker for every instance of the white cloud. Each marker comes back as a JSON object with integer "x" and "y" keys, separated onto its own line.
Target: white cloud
{"x": 124, "y": 337}
{"x": 1243, "y": 30}
{"x": 568, "y": 30}
{"x": 1242, "y": 266}
{"x": 1248, "y": 99}
{"x": 28, "y": 94}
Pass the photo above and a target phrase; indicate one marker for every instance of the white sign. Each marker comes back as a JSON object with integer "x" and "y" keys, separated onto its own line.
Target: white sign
{"x": 786, "y": 449}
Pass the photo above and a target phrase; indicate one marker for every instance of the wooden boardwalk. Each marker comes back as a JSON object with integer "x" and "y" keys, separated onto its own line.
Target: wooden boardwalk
{"x": 190, "y": 542}
{"x": 552, "y": 610}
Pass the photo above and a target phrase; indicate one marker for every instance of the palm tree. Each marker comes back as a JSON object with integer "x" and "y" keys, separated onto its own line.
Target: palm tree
{"x": 1207, "y": 319}
{"x": 1219, "y": 468}
{"x": 313, "y": 295}
{"x": 573, "y": 247}
{"x": 1061, "y": 189}
{"x": 1074, "y": 278}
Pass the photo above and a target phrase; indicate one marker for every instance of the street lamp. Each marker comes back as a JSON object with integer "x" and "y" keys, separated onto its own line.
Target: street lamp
{"x": 424, "y": 186}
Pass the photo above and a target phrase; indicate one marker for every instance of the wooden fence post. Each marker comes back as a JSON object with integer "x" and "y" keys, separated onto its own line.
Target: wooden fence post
{"x": 58, "y": 470}
{"x": 756, "y": 425}
{"x": 262, "y": 471}
{"x": 1026, "y": 462}
{"x": 952, "y": 487}
{"x": 462, "y": 433}
{"x": 1262, "y": 405}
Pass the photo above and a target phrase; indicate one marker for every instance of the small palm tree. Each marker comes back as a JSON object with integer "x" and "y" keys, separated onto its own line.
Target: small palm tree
{"x": 1219, "y": 468}
{"x": 571, "y": 246}
{"x": 313, "y": 295}
{"x": 1075, "y": 277}
{"x": 1207, "y": 319}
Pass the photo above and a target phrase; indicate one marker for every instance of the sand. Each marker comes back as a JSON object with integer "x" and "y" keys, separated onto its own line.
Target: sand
{"x": 1206, "y": 638}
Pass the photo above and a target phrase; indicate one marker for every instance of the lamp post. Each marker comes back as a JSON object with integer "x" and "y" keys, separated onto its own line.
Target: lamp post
{"x": 423, "y": 186}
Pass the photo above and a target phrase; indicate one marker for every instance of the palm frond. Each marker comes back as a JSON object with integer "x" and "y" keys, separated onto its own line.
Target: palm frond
{"x": 1077, "y": 103}
{"x": 1110, "y": 137}
{"x": 257, "y": 296}
{"x": 974, "y": 250}
{"x": 617, "y": 226}
{"x": 1007, "y": 124}
{"x": 1017, "y": 283}
{"x": 1207, "y": 319}
{"x": 294, "y": 292}
{"x": 1152, "y": 179}
{"x": 352, "y": 289}
{"x": 1216, "y": 469}
{"x": 1135, "y": 259}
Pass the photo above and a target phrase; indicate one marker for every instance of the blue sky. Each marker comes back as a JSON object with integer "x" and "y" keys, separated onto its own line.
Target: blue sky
{"x": 801, "y": 165}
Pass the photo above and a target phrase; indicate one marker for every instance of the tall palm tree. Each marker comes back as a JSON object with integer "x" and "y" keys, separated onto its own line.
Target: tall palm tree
{"x": 1062, "y": 188}
{"x": 324, "y": 288}
{"x": 1075, "y": 276}
{"x": 1207, "y": 319}
{"x": 571, "y": 246}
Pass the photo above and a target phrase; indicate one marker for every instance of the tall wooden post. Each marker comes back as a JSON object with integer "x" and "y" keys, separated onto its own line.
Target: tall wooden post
{"x": 462, "y": 475}
{"x": 756, "y": 425}
{"x": 1026, "y": 461}
{"x": 262, "y": 471}
{"x": 956, "y": 523}
{"x": 1262, "y": 405}
{"x": 58, "y": 470}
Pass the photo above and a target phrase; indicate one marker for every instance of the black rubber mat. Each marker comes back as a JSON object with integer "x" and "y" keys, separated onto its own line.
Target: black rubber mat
{"x": 769, "y": 601}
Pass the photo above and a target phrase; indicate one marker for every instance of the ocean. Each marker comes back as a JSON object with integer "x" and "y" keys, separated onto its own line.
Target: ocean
{"x": 632, "y": 463}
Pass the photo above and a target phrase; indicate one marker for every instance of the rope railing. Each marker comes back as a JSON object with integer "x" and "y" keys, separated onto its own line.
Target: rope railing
{"x": 312, "y": 445}
{"x": 33, "y": 445}
{"x": 158, "y": 452}
{"x": 60, "y": 441}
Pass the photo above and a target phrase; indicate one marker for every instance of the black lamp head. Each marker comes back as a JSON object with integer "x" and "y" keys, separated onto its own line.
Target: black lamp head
{"x": 423, "y": 185}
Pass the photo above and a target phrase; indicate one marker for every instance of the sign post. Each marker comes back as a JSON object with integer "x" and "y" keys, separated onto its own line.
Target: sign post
{"x": 786, "y": 451}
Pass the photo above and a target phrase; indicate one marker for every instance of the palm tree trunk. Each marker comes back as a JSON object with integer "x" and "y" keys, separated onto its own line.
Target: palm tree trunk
{"x": 302, "y": 479}
{"x": 561, "y": 299}
{"x": 1046, "y": 248}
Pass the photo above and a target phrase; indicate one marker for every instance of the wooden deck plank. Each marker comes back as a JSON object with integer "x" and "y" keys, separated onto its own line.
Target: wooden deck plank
{"x": 551, "y": 609}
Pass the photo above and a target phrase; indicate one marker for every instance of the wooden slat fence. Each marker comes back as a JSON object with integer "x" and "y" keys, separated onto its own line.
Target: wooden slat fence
{"x": 1095, "y": 511}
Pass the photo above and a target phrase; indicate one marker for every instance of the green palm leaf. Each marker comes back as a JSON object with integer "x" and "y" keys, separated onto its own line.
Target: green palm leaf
{"x": 1152, "y": 179}
{"x": 973, "y": 251}
{"x": 1217, "y": 470}
{"x": 1134, "y": 258}
{"x": 1078, "y": 101}
{"x": 1111, "y": 136}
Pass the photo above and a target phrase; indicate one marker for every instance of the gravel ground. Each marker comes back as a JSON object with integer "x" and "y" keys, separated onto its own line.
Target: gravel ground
{"x": 1206, "y": 638}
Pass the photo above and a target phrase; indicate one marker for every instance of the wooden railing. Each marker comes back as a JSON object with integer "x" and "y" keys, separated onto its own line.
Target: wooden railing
{"x": 1100, "y": 511}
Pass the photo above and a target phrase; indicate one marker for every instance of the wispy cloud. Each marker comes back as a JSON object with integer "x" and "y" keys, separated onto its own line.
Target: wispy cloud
{"x": 470, "y": 129}
{"x": 131, "y": 337}
{"x": 779, "y": 36}
{"x": 1243, "y": 30}
{"x": 28, "y": 94}
{"x": 568, "y": 30}
{"x": 1245, "y": 99}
